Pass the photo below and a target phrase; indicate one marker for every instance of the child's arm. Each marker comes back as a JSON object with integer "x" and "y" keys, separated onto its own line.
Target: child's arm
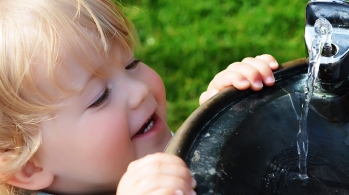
{"x": 249, "y": 73}
{"x": 158, "y": 173}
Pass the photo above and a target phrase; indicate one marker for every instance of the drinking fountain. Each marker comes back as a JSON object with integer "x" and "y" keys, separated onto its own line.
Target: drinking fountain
{"x": 245, "y": 142}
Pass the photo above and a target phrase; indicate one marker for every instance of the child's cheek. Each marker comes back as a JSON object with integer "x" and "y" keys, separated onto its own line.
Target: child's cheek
{"x": 109, "y": 141}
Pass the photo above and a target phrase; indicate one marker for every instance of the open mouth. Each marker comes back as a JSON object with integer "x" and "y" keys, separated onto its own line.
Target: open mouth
{"x": 148, "y": 125}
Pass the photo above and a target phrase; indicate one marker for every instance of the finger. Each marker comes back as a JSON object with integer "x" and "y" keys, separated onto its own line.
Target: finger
{"x": 180, "y": 192}
{"x": 203, "y": 97}
{"x": 271, "y": 61}
{"x": 157, "y": 157}
{"x": 264, "y": 71}
{"x": 158, "y": 168}
{"x": 166, "y": 191}
{"x": 228, "y": 78}
{"x": 207, "y": 95}
{"x": 157, "y": 164}
{"x": 155, "y": 182}
{"x": 161, "y": 191}
{"x": 154, "y": 177}
{"x": 249, "y": 72}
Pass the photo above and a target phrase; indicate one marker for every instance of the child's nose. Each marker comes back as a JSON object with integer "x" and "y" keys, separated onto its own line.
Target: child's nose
{"x": 138, "y": 92}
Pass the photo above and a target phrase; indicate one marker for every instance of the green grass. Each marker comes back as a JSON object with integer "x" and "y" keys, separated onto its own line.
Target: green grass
{"x": 188, "y": 42}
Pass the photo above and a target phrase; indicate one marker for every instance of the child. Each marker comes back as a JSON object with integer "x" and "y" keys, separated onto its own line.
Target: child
{"x": 77, "y": 108}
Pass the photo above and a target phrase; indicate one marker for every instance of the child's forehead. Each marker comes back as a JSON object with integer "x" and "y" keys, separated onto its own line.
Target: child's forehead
{"x": 74, "y": 67}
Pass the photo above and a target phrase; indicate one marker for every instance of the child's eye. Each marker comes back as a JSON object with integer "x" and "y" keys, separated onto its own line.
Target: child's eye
{"x": 101, "y": 99}
{"x": 132, "y": 65}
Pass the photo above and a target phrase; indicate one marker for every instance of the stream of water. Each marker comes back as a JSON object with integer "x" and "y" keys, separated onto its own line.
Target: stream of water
{"x": 285, "y": 177}
{"x": 321, "y": 40}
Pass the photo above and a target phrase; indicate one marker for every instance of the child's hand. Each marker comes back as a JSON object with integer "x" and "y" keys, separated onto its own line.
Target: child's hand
{"x": 158, "y": 173}
{"x": 249, "y": 73}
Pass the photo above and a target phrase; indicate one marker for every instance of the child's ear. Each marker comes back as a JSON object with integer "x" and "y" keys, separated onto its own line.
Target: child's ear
{"x": 32, "y": 177}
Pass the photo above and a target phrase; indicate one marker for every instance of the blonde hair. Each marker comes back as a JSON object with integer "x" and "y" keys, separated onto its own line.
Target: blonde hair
{"x": 34, "y": 32}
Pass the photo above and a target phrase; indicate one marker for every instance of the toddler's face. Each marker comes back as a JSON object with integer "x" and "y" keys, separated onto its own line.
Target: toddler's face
{"x": 98, "y": 132}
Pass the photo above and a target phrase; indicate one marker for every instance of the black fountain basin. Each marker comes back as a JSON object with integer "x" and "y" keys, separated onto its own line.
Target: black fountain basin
{"x": 244, "y": 142}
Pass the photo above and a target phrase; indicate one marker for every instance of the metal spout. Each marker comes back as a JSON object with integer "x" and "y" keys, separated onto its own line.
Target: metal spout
{"x": 334, "y": 61}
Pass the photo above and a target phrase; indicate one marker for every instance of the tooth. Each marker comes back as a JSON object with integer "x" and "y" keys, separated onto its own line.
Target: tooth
{"x": 151, "y": 124}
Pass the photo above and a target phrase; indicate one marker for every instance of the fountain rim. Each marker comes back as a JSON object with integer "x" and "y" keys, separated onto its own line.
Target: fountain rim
{"x": 187, "y": 132}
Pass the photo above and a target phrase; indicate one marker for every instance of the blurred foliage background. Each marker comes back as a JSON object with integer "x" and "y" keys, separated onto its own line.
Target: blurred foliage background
{"x": 187, "y": 42}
